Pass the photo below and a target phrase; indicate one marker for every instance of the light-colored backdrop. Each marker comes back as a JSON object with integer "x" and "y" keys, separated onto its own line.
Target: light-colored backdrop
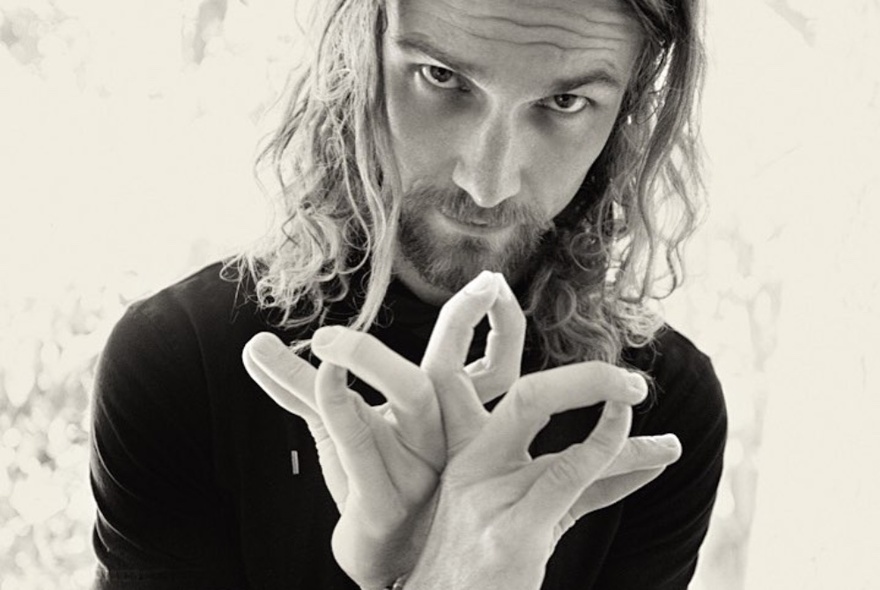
{"x": 127, "y": 136}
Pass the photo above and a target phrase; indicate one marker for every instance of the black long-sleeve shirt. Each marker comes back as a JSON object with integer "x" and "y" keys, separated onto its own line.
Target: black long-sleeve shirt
{"x": 201, "y": 481}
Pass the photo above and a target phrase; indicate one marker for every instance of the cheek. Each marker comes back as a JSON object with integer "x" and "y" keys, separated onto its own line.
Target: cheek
{"x": 418, "y": 141}
{"x": 560, "y": 169}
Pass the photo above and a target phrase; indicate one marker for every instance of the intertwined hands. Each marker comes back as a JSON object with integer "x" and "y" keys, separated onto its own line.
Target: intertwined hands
{"x": 430, "y": 477}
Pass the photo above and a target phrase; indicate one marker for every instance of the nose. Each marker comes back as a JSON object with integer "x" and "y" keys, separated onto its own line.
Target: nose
{"x": 487, "y": 167}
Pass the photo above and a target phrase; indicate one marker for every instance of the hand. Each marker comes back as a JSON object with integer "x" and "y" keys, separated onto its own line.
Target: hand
{"x": 510, "y": 510}
{"x": 383, "y": 525}
{"x": 381, "y": 464}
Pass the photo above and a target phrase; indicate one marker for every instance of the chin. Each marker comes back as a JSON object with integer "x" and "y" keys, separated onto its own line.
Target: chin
{"x": 445, "y": 257}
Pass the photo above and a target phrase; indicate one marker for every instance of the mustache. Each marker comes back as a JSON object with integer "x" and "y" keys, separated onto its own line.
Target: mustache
{"x": 458, "y": 204}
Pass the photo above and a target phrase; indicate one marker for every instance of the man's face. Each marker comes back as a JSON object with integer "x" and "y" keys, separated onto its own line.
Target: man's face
{"x": 497, "y": 109}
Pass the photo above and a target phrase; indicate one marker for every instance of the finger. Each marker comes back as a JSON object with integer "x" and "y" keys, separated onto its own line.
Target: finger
{"x": 406, "y": 387}
{"x": 288, "y": 379}
{"x": 451, "y": 339}
{"x": 556, "y": 490}
{"x": 534, "y": 398}
{"x": 334, "y": 474}
{"x": 604, "y": 492}
{"x": 498, "y": 370}
{"x": 645, "y": 452}
{"x": 463, "y": 414}
{"x": 609, "y": 490}
{"x": 638, "y": 454}
{"x": 347, "y": 418}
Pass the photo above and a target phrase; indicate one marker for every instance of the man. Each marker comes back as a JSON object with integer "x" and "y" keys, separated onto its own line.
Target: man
{"x": 509, "y": 159}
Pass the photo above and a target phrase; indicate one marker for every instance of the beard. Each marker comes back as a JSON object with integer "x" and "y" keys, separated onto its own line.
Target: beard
{"x": 449, "y": 260}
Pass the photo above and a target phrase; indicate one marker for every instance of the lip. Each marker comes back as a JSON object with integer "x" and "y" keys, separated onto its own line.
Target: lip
{"x": 473, "y": 228}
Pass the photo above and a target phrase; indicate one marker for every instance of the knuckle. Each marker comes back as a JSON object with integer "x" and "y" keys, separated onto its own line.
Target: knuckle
{"x": 631, "y": 453}
{"x": 298, "y": 375}
{"x": 607, "y": 442}
{"x": 526, "y": 398}
{"x": 357, "y": 437}
{"x": 566, "y": 470}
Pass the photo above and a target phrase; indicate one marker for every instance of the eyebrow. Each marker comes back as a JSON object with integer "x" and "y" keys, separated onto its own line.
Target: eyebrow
{"x": 599, "y": 76}
{"x": 422, "y": 45}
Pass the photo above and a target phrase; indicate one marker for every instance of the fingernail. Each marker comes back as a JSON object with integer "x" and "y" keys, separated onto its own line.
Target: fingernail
{"x": 637, "y": 385}
{"x": 484, "y": 282}
{"x": 670, "y": 441}
{"x": 265, "y": 344}
{"x": 325, "y": 336}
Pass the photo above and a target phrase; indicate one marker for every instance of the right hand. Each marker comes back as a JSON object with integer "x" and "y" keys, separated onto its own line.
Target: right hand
{"x": 500, "y": 513}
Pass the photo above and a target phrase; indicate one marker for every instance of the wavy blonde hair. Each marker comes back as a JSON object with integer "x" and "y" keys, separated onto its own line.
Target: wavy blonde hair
{"x": 609, "y": 254}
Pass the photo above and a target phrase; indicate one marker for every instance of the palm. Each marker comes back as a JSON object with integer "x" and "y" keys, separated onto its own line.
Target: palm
{"x": 413, "y": 476}
{"x": 382, "y": 464}
{"x": 382, "y": 526}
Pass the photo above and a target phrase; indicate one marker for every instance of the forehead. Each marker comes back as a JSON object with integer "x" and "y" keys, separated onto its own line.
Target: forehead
{"x": 553, "y": 37}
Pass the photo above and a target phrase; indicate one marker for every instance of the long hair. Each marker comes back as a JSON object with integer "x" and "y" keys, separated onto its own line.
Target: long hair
{"x": 613, "y": 251}
{"x": 618, "y": 246}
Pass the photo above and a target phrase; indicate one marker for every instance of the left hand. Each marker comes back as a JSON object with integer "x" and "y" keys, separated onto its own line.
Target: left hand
{"x": 381, "y": 464}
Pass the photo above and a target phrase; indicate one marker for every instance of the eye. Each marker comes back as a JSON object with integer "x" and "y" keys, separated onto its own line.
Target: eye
{"x": 566, "y": 103}
{"x": 441, "y": 77}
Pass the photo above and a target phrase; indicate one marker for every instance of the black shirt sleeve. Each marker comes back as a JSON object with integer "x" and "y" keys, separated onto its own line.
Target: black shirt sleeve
{"x": 663, "y": 525}
{"x": 162, "y": 521}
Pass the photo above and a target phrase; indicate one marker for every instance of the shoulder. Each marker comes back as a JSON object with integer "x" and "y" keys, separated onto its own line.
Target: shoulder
{"x": 671, "y": 358}
{"x": 186, "y": 337}
{"x": 684, "y": 382}
{"x": 208, "y": 297}
{"x": 162, "y": 340}
{"x": 198, "y": 313}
